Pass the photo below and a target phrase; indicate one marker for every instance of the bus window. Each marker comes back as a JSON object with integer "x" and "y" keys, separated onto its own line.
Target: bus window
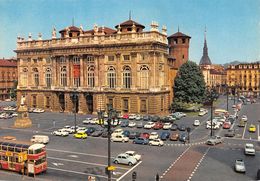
{"x": 42, "y": 160}
{"x": 30, "y": 152}
{"x": 4, "y": 158}
{"x": 17, "y": 149}
{"x": 10, "y": 148}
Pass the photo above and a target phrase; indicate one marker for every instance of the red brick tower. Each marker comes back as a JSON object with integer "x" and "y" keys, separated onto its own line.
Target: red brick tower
{"x": 179, "y": 48}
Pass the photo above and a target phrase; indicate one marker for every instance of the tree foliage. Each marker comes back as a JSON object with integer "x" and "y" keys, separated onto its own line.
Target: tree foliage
{"x": 189, "y": 86}
{"x": 13, "y": 90}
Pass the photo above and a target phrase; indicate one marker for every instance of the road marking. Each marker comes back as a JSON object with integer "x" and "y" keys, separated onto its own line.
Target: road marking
{"x": 244, "y": 131}
{"x": 58, "y": 164}
{"x": 258, "y": 136}
{"x": 128, "y": 171}
{"x": 82, "y": 173}
{"x": 86, "y": 163}
{"x": 73, "y": 156}
{"x": 49, "y": 149}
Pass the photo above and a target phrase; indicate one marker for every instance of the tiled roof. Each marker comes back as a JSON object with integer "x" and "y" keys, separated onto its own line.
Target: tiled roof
{"x": 130, "y": 23}
{"x": 106, "y": 30}
{"x": 72, "y": 28}
{"x": 178, "y": 34}
{"x": 7, "y": 63}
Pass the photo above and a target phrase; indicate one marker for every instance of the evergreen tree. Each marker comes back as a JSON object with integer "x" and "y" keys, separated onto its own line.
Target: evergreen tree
{"x": 13, "y": 90}
{"x": 189, "y": 86}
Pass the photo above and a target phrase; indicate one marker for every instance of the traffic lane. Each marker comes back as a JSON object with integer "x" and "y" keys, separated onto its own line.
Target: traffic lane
{"x": 218, "y": 164}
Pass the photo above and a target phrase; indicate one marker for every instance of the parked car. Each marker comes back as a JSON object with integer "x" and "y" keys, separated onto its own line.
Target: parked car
{"x": 125, "y": 159}
{"x": 230, "y": 133}
{"x": 226, "y": 125}
{"x": 156, "y": 142}
{"x": 145, "y": 135}
{"x": 196, "y": 122}
{"x": 141, "y": 140}
{"x": 97, "y": 133}
{"x": 125, "y": 116}
{"x": 241, "y": 123}
{"x": 117, "y": 132}
{"x": 249, "y": 149}
{"x": 203, "y": 112}
{"x": 240, "y": 166}
{"x": 134, "y": 134}
{"x": 124, "y": 123}
{"x": 174, "y": 127}
{"x": 131, "y": 124}
{"x": 167, "y": 126}
{"x": 119, "y": 138}
{"x": 139, "y": 125}
{"x": 126, "y": 133}
{"x": 158, "y": 125}
{"x": 40, "y": 139}
{"x": 146, "y": 118}
{"x": 182, "y": 127}
{"x": 183, "y": 137}
{"x": 174, "y": 137}
{"x": 134, "y": 154}
{"x": 149, "y": 125}
{"x": 132, "y": 116}
{"x": 214, "y": 140}
{"x": 60, "y": 132}
{"x": 90, "y": 131}
{"x": 153, "y": 135}
{"x": 89, "y": 121}
{"x": 138, "y": 117}
{"x": 164, "y": 135}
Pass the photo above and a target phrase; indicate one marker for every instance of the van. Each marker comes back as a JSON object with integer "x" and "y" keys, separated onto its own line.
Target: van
{"x": 241, "y": 123}
{"x": 40, "y": 139}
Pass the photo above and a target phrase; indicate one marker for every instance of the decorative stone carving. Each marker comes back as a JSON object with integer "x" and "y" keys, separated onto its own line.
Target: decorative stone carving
{"x": 23, "y": 120}
{"x": 154, "y": 26}
{"x": 39, "y": 36}
{"x": 53, "y": 36}
{"x": 30, "y": 37}
{"x": 164, "y": 30}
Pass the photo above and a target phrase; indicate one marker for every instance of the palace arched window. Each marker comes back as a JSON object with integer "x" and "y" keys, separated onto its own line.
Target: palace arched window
{"x": 127, "y": 77}
{"x": 144, "y": 77}
{"x": 48, "y": 78}
{"x": 36, "y": 76}
{"x": 91, "y": 76}
{"x": 111, "y": 77}
{"x": 63, "y": 76}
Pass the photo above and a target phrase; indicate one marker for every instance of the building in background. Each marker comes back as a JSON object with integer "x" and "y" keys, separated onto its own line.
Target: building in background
{"x": 126, "y": 66}
{"x": 214, "y": 75}
{"x": 245, "y": 78}
{"x": 8, "y": 74}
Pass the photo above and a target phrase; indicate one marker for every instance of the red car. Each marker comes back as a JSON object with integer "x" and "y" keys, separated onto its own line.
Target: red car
{"x": 145, "y": 135}
{"x": 226, "y": 125}
{"x": 158, "y": 125}
{"x": 125, "y": 116}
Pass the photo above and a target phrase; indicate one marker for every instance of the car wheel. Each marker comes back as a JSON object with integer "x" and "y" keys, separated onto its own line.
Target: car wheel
{"x": 134, "y": 142}
{"x": 150, "y": 144}
{"x": 130, "y": 164}
{"x": 116, "y": 162}
{"x": 123, "y": 141}
{"x": 160, "y": 145}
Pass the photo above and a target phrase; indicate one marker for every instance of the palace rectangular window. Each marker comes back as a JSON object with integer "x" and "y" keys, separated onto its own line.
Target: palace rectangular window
{"x": 143, "y": 108}
{"x": 47, "y": 102}
{"x": 126, "y": 57}
{"x": 125, "y": 105}
{"x": 90, "y": 59}
{"x": 34, "y": 103}
{"x": 111, "y": 58}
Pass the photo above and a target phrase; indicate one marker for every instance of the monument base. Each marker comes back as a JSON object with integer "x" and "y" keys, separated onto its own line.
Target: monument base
{"x": 23, "y": 123}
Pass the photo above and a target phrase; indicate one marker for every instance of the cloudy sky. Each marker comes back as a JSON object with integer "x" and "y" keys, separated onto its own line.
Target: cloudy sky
{"x": 233, "y": 26}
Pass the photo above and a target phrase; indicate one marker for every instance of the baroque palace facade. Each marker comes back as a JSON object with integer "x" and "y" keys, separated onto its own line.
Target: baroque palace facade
{"x": 245, "y": 78}
{"x": 127, "y": 67}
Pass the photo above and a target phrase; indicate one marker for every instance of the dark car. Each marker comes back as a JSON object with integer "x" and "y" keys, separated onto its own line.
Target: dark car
{"x": 258, "y": 174}
{"x": 97, "y": 133}
{"x": 230, "y": 133}
{"x": 155, "y": 118}
{"x": 126, "y": 133}
{"x": 158, "y": 125}
{"x": 90, "y": 130}
{"x": 174, "y": 137}
{"x": 134, "y": 134}
{"x": 183, "y": 137}
{"x": 141, "y": 140}
{"x": 145, "y": 135}
{"x": 146, "y": 118}
{"x": 139, "y": 125}
{"x": 182, "y": 127}
{"x": 174, "y": 127}
{"x": 104, "y": 134}
{"x": 165, "y": 135}
{"x": 124, "y": 123}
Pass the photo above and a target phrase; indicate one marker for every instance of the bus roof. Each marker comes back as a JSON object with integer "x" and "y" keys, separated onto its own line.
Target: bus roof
{"x": 36, "y": 146}
{"x": 12, "y": 144}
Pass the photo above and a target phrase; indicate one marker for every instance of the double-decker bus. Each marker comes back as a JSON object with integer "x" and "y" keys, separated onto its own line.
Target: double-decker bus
{"x": 25, "y": 158}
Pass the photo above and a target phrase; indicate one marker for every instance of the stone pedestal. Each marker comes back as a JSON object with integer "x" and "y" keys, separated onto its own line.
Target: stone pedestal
{"x": 23, "y": 120}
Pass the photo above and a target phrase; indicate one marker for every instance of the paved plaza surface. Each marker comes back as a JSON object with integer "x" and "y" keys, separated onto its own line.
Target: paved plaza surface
{"x": 76, "y": 159}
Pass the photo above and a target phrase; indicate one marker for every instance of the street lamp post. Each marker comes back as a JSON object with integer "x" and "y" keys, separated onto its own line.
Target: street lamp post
{"x": 227, "y": 95}
{"x": 74, "y": 97}
{"x": 211, "y": 100}
{"x": 112, "y": 115}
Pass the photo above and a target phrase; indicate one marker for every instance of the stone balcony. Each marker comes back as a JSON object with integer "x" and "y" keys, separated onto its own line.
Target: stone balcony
{"x": 143, "y": 37}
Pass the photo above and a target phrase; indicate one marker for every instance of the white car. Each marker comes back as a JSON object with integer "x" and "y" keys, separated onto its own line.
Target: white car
{"x": 196, "y": 122}
{"x": 153, "y": 135}
{"x": 88, "y": 121}
{"x": 138, "y": 117}
{"x": 156, "y": 142}
{"x": 202, "y": 113}
{"x": 214, "y": 126}
{"x": 244, "y": 118}
{"x": 115, "y": 122}
{"x": 167, "y": 126}
{"x": 38, "y": 110}
{"x": 249, "y": 149}
{"x": 131, "y": 124}
{"x": 134, "y": 154}
{"x": 132, "y": 116}
{"x": 119, "y": 138}
{"x": 68, "y": 129}
{"x": 60, "y": 132}
{"x": 117, "y": 132}
{"x": 149, "y": 125}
